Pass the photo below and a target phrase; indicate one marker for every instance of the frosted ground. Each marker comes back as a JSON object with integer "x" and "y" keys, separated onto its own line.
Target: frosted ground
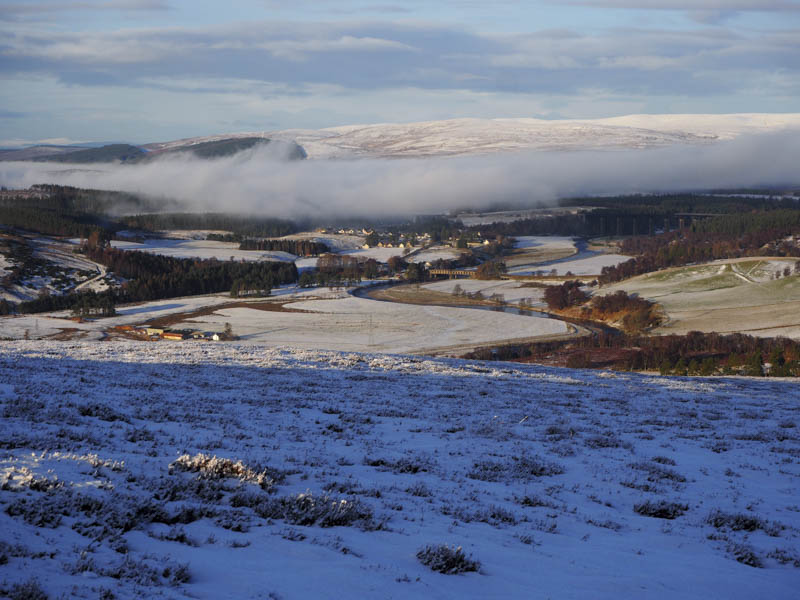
{"x": 740, "y": 295}
{"x": 226, "y": 471}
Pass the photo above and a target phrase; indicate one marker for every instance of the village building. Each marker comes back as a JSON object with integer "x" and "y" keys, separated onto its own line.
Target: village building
{"x": 173, "y": 335}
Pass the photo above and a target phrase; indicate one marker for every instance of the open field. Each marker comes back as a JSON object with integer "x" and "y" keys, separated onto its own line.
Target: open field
{"x": 739, "y": 295}
{"x": 183, "y": 248}
{"x": 324, "y": 319}
{"x": 585, "y": 266}
{"x": 208, "y": 471}
{"x": 436, "y": 253}
{"x": 532, "y": 249}
{"x": 359, "y": 324}
{"x": 512, "y": 291}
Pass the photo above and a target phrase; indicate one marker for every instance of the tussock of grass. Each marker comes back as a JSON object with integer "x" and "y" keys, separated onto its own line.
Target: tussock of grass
{"x": 745, "y": 555}
{"x": 743, "y": 522}
{"x": 401, "y": 465}
{"x": 519, "y": 468}
{"x": 20, "y": 478}
{"x": 658, "y": 473}
{"x": 661, "y": 509}
{"x": 447, "y": 559}
{"x": 28, "y": 590}
{"x": 324, "y": 511}
{"x": 213, "y": 467}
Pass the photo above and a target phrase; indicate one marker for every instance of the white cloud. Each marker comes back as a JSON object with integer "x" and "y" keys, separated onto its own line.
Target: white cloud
{"x": 32, "y": 7}
{"x": 695, "y": 5}
{"x": 296, "y": 50}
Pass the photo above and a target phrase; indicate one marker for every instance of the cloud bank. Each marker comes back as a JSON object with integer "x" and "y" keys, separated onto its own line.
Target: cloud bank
{"x": 262, "y": 182}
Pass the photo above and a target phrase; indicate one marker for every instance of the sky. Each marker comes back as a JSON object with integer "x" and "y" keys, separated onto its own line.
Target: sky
{"x": 154, "y": 70}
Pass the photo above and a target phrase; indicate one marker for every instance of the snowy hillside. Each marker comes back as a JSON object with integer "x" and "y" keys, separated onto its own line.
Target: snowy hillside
{"x": 471, "y": 136}
{"x": 223, "y": 471}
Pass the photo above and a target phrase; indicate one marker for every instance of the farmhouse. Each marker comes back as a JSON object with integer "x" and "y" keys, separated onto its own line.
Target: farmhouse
{"x": 173, "y": 335}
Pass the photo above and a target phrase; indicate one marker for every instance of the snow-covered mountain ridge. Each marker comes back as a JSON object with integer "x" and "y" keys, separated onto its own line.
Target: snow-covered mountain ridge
{"x": 479, "y": 136}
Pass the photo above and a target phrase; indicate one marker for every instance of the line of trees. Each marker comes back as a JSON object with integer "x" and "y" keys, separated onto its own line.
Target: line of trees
{"x": 695, "y": 353}
{"x": 88, "y": 303}
{"x": 297, "y": 247}
{"x": 244, "y": 225}
{"x": 153, "y": 277}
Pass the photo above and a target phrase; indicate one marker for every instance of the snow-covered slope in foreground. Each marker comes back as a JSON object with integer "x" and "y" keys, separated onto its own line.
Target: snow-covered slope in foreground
{"x": 352, "y": 463}
{"x": 479, "y": 136}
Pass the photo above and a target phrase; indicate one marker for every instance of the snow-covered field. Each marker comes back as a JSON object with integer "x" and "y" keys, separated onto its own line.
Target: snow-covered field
{"x": 581, "y": 266}
{"x": 512, "y": 291}
{"x": 436, "y": 253}
{"x": 183, "y": 248}
{"x": 326, "y": 319}
{"x": 380, "y": 254}
{"x": 359, "y": 324}
{"x": 507, "y": 216}
{"x": 201, "y": 471}
{"x": 550, "y": 242}
{"x": 739, "y": 295}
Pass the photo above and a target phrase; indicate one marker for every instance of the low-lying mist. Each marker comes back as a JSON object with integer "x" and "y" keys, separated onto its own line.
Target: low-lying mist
{"x": 263, "y": 182}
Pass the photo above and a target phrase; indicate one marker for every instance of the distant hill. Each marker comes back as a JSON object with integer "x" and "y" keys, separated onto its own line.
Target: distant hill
{"x": 226, "y": 147}
{"x": 34, "y": 152}
{"x": 452, "y": 137}
{"x": 127, "y": 153}
{"x": 110, "y": 153}
{"x": 487, "y": 136}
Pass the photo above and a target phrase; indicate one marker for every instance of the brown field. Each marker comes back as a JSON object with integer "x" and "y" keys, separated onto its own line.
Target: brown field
{"x": 413, "y": 294}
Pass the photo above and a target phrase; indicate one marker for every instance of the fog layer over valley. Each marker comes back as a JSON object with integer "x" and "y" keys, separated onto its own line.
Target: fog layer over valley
{"x": 260, "y": 180}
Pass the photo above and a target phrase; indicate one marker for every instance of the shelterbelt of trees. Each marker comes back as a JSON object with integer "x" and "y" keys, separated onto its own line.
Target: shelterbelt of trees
{"x": 152, "y": 276}
{"x": 692, "y": 354}
{"x": 241, "y": 225}
{"x": 298, "y": 247}
{"x": 766, "y": 233}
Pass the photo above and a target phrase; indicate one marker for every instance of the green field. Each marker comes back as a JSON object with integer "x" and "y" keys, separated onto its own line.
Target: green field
{"x": 741, "y": 295}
